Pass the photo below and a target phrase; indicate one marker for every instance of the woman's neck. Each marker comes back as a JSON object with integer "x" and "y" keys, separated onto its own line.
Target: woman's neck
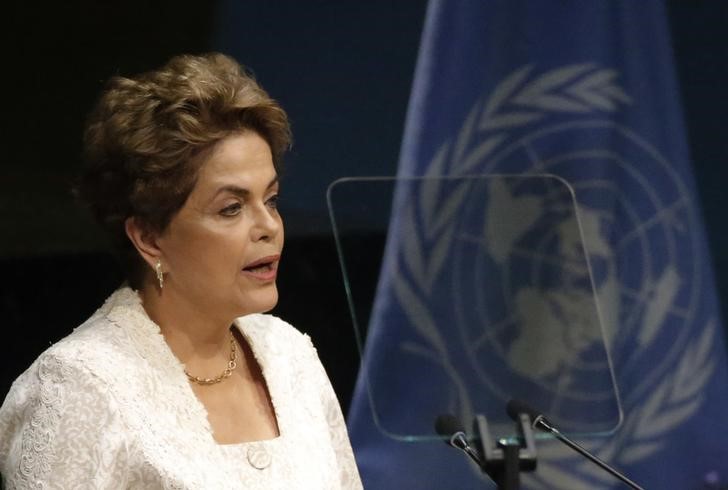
{"x": 198, "y": 339}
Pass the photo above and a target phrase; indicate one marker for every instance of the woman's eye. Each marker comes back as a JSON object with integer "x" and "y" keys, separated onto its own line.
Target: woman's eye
{"x": 231, "y": 210}
{"x": 272, "y": 202}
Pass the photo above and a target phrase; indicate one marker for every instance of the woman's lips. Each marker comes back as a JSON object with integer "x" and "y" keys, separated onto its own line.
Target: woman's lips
{"x": 264, "y": 269}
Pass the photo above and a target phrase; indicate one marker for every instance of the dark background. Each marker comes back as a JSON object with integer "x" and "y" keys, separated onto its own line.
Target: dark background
{"x": 342, "y": 70}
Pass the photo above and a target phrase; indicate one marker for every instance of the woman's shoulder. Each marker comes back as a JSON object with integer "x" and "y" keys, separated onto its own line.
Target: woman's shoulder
{"x": 105, "y": 342}
{"x": 62, "y": 377}
{"x": 99, "y": 337}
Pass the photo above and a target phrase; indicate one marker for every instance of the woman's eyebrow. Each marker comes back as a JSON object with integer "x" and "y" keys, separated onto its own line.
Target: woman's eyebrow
{"x": 232, "y": 189}
{"x": 241, "y": 191}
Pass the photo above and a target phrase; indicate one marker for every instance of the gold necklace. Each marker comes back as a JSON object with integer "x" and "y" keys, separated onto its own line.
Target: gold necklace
{"x": 232, "y": 364}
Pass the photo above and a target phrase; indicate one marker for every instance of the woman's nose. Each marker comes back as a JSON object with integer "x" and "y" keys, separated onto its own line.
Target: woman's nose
{"x": 267, "y": 223}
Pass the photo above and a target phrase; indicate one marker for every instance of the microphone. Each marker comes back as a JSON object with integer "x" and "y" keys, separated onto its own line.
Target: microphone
{"x": 449, "y": 426}
{"x": 515, "y": 408}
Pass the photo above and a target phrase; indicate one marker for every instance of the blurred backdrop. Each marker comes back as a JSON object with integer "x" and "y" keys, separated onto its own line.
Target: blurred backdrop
{"x": 342, "y": 70}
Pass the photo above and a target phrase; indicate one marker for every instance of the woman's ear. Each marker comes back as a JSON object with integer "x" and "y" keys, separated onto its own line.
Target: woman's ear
{"x": 143, "y": 240}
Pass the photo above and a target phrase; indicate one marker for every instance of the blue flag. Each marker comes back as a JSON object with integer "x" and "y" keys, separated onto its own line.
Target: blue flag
{"x": 585, "y": 91}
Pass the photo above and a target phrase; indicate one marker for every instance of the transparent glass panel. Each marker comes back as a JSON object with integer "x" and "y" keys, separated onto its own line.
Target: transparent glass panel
{"x": 484, "y": 293}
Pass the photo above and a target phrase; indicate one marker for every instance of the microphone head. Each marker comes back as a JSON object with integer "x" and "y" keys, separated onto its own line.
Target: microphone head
{"x": 515, "y": 408}
{"x": 447, "y": 425}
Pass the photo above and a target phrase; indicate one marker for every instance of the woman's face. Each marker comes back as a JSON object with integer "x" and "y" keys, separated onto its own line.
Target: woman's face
{"x": 221, "y": 250}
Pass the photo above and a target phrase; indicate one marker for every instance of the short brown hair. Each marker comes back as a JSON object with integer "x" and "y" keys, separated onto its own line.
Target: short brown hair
{"x": 142, "y": 138}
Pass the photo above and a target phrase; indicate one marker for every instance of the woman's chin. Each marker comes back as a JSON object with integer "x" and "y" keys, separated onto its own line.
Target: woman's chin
{"x": 259, "y": 302}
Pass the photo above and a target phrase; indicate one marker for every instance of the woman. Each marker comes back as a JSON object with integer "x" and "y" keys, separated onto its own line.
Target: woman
{"x": 178, "y": 380}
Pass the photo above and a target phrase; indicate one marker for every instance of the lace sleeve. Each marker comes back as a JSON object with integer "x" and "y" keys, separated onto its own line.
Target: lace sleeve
{"x": 59, "y": 428}
{"x": 348, "y": 472}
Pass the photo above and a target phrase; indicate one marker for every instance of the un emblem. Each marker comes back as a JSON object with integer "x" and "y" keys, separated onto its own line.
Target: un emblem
{"x": 636, "y": 218}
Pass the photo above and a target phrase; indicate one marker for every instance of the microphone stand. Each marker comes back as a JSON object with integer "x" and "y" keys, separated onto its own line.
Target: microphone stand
{"x": 546, "y": 426}
{"x": 504, "y": 461}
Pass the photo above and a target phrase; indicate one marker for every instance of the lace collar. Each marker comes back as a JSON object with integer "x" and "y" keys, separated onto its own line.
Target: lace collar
{"x": 124, "y": 308}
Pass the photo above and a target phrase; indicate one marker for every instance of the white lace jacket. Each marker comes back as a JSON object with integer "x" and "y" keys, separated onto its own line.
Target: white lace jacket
{"x": 109, "y": 406}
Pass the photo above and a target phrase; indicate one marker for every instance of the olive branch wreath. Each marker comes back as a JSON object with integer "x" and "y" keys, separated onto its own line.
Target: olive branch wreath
{"x": 521, "y": 99}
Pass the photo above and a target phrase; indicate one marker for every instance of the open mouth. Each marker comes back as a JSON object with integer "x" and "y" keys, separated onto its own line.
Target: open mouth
{"x": 260, "y": 268}
{"x": 264, "y": 268}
